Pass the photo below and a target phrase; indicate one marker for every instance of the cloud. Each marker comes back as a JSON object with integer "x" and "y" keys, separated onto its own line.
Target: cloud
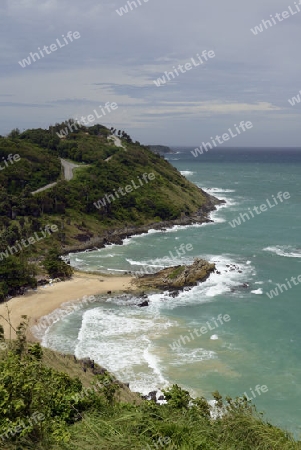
{"x": 117, "y": 59}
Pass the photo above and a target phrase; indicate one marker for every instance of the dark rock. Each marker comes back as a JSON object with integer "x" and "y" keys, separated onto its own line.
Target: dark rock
{"x": 152, "y": 396}
{"x": 174, "y": 294}
{"x": 143, "y": 304}
{"x": 99, "y": 371}
{"x": 87, "y": 362}
{"x": 82, "y": 237}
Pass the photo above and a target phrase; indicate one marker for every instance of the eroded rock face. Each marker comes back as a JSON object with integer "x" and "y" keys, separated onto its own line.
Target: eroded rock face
{"x": 177, "y": 277}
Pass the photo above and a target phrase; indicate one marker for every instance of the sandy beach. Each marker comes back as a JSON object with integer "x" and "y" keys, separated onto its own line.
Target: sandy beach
{"x": 46, "y": 299}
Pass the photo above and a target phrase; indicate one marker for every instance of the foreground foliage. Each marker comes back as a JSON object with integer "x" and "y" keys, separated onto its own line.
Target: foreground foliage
{"x": 97, "y": 419}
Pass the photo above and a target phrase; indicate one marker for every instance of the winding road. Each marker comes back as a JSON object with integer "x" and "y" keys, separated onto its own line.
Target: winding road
{"x": 68, "y": 174}
{"x": 69, "y": 166}
{"x": 116, "y": 140}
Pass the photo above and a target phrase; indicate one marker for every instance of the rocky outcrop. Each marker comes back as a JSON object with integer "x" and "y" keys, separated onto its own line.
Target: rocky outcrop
{"x": 117, "y": 235}
{"x": 177, "y": 277}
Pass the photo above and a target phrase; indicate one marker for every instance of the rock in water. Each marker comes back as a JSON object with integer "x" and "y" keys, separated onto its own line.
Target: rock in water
{"x": 178, "y": 277}
{"x": 145, "y": 303}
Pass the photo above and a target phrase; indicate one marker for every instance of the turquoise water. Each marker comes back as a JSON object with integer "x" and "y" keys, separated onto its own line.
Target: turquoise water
{"x": 260, "y": 344}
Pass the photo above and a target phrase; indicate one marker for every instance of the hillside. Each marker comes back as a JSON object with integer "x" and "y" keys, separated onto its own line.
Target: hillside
{"x": 103, "y": 190}
{"x": 48, "y": 403}
{"x": 119, "y": 188}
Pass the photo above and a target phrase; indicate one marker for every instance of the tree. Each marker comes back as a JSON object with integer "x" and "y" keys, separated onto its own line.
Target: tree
{"x": 15, "y": 274}
{"x": 177, "y": 397}
{"x": 14, "y": 134}
{"x": 55, "y": 266}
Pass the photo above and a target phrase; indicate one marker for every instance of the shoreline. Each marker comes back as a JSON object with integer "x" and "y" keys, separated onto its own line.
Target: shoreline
{"x": 118, "y": 235}
{"x": 46, "y": 299}
{"x": 43, "y": 301}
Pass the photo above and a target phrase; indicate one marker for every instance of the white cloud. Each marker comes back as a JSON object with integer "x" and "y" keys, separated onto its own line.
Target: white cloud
{"x": 117, "y": 59}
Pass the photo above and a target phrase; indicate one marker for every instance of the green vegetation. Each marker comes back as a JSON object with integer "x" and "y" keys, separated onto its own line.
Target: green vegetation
{"x": 15, "y": 273}
{"x": 54, "y": 265}
{"x": 73, "y": 205}
{"x": 45, "y": 405}
{"x": 163, "y": 199}
{"x": 47, "y": 401}
{"x": 176, "y": 272}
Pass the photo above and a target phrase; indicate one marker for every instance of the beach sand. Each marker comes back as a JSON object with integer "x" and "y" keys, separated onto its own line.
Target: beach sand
{"x": 46, "y": 299}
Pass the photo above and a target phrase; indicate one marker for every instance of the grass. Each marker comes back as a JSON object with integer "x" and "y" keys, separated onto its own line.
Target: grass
{"x": 67, "y": 364}
{"x": 131, "y": 423}
{"x": 175, "y": 273}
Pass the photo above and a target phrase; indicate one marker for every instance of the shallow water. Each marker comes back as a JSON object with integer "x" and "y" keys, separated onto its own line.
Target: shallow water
{"x": 260, "y": 344}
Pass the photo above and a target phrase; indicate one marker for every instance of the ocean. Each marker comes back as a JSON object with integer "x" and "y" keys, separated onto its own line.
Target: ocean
{"x": 259, "y": 344}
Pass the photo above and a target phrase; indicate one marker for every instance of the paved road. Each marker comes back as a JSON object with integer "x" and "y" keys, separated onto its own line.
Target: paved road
{"x": 48, "y": 186}
{"x": 116, "y": 140}
{"x": 68, "y": 174}
{"x": 68, "y": 169}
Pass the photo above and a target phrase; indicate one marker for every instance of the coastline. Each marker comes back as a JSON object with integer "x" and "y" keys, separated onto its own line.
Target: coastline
{"x": 44, "y": 300}
{"x": 118, "y": 235}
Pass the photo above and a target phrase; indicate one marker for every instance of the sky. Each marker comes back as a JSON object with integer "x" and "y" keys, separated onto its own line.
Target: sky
{"x": 118, "y": 56}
